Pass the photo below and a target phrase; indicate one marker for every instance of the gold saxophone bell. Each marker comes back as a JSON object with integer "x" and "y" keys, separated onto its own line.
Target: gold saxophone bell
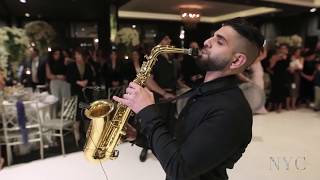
{"x": 98, "y": 112}
{"x": 104, "y": 132}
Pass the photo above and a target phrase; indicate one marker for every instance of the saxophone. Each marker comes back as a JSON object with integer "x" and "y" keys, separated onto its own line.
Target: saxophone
{"x": 104, "y": 133}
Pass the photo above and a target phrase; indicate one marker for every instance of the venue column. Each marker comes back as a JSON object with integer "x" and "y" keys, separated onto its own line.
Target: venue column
{"x": 107, "y": 25}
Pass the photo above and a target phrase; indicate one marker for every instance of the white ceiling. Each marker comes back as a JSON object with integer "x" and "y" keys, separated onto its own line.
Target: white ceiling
{"x": 307, "y": 3}
{"x": 211, "y": 11}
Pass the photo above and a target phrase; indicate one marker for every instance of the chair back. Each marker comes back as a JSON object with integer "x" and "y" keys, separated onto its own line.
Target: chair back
{"x": 10, "y": 122}
{"x": 69, "y": 108}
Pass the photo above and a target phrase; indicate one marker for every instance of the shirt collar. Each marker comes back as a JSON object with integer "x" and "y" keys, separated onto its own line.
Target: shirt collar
{"x": 216, "y": 85}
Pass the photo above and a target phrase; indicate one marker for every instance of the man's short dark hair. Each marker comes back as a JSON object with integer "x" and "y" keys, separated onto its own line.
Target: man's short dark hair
{"x": 160, "y": 37}
{"x": 247, "y": 30}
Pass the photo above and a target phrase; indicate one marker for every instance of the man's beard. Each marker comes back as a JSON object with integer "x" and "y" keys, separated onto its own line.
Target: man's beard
{"x": 212, "y": 64}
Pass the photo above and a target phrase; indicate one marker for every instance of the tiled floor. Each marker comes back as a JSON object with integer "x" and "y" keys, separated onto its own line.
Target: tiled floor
{"x": 285, "y": 147}
{"x": 55, "y": 150}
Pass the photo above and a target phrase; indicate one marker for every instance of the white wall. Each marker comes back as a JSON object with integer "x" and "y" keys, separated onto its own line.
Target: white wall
{"x": 2, "y": 23}
{"x": 270, "y": 32}
{"x": 313, "y": 25}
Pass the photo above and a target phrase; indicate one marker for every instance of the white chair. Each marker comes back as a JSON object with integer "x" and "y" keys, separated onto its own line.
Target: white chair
{"x": 116, "y": 91}
{"x": 59, "y": 127}
{"x": 11, "y": 129}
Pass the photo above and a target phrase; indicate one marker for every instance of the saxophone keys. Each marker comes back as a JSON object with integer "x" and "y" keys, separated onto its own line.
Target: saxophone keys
{"x": 115, "y": 154}
{"x": 131, "y": 114}
{"x": 123, "y": 133}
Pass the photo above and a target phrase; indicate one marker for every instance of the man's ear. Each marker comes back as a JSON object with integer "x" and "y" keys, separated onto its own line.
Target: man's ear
{"x": 239, "y": 59}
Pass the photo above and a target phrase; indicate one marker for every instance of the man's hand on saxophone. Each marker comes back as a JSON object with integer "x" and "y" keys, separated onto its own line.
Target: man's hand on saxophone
{"x": 136, "y": 97}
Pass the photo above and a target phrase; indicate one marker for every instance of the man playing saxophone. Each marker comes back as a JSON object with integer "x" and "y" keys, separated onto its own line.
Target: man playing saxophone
{"x": 215, "y": 126}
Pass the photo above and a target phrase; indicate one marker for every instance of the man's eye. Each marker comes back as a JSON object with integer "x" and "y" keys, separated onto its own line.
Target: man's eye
{"x": 220, "y": 42}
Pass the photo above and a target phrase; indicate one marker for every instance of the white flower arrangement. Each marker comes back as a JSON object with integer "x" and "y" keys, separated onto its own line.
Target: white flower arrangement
{"x": 41, "y": 34}
{"x": 3, "y": 59}
{"x": 3, "y": 36}
{"x": 3, "y": 52}
{"x": 13, "y": 42}
{"x": 292, "y": 41}
{"x": 128, "y": 37}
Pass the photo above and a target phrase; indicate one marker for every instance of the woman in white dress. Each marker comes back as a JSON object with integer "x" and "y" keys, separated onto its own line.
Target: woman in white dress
{"x": 295, "y": 68}
{"x": 256, "y": 78}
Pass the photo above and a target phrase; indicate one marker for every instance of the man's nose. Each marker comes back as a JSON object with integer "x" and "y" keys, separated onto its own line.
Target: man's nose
{"x": 206, "y": 44}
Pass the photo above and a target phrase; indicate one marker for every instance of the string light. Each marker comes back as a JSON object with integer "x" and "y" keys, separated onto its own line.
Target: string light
{"x": 313, "y": 10}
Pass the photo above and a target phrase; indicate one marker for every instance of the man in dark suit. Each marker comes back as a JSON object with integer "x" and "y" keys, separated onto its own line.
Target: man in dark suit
{"x": 33, "y": 70}
{"x": 215, "y": 126}
{"x": 79, "y": 74}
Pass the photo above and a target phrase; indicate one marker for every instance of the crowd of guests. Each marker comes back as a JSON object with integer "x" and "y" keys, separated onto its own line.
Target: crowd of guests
{"x": 289, "y": 77}
{"x": 293, "y": 75}
{"x": 67, "y": 72}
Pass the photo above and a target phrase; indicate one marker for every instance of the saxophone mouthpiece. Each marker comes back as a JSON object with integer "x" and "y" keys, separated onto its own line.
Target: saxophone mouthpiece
{"x": 194, "y": 52}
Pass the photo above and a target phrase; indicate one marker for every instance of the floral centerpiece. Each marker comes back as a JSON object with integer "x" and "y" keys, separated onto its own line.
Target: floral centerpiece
{"x": 41, "y": 34}
{"x": 126, "y": 39}
{"x": 13, "y": 43}
{"x": 3, "y": 57}
{"x": 292, "y": 41}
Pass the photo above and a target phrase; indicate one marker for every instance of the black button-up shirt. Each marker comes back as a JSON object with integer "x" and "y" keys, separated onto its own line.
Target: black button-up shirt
{"x": 213, "y": 131}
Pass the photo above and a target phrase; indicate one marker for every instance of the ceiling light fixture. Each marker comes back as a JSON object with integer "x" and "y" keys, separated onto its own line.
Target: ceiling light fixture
{"x": 190, "y": 17}
{"x": 190, "y": 14}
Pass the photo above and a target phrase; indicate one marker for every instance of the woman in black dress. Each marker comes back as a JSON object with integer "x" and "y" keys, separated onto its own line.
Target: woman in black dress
{"x": 79, "y": 75}
{"x": 280, "y": 77}
{"x": 132, "y": 67}
{"x": 56, "y": 73}
{"x": 307, "y": 77}
{"x": 112, "y": 71}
